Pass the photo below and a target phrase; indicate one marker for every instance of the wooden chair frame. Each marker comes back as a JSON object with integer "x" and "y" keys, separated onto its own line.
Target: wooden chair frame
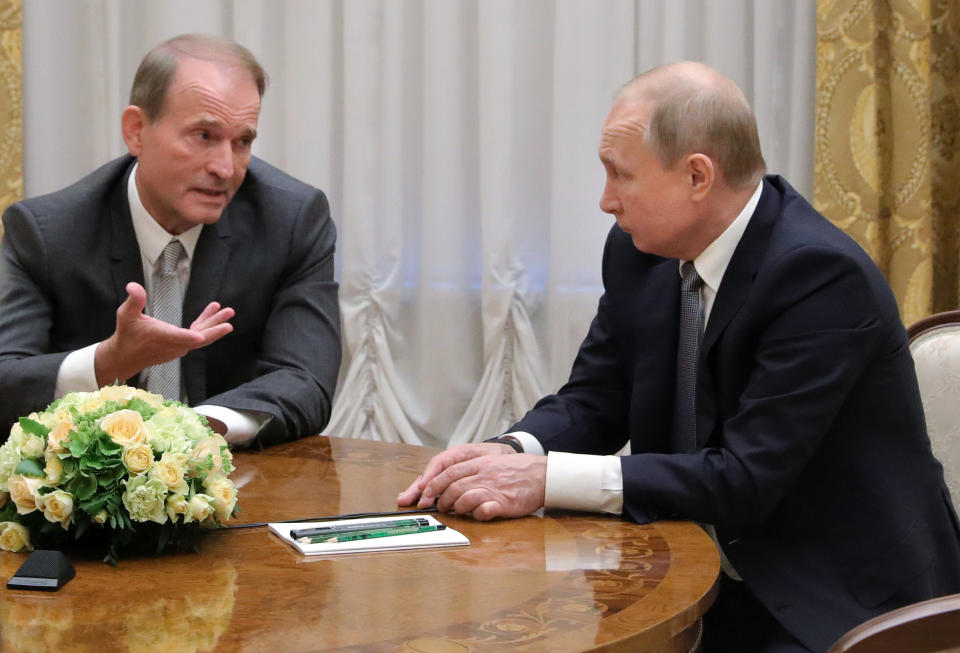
{"x": 930, "y": 322}
{"x": 923, "y": 627}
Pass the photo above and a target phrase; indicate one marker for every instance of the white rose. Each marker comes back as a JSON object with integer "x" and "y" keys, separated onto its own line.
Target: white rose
{"x": 58, "y": 435}
{"x": 199, "y": 507}
{"x": 137, "y": 457}
{"x": 170, "y": 470}
{"x": 116, "y": 393}
{"x": 23, "y": 491}
{"x": 153, "y": 399}
{"x": 14, "y": 537}
{"x": 58, "y": 507}
{"x": 211, "y": 451}
{"x": 176, "y": 506}
{"x": 32, "y": 447}
{"x": 53, "y": 470}
{"x": 125, "y": 427}
{"x": 224, "y": 496}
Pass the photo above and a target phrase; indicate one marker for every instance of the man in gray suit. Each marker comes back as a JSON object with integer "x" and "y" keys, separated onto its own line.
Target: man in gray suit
{"x": 188, "y": 267}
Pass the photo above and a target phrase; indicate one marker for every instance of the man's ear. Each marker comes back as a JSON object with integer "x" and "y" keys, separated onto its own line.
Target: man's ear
{"x": 701, "y": 173}
{"x": 132, "y": 122}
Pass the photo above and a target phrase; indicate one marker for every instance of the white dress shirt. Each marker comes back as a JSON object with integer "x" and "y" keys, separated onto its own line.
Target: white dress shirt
{"x": 595, "y": 483}
{"x": 77, "y": 372}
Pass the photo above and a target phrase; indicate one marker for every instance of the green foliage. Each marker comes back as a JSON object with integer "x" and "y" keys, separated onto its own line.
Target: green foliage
{"x": 31, "y": 427}
{"x": 30, "y": 467}
{"x": 143, "y": 408}
{"x": 8, "y": 512}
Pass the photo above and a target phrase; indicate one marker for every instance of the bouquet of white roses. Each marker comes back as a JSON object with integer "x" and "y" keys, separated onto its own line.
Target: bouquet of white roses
{"x": 120, "y": 465}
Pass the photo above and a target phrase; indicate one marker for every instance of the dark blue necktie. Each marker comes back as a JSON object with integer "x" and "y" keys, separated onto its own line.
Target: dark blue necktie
{"x": 688, "y": 348}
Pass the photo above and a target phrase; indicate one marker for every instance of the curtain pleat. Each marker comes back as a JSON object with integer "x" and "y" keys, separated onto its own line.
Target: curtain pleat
{"x": 887, "y": 130}
{"x": 11, "y": 105}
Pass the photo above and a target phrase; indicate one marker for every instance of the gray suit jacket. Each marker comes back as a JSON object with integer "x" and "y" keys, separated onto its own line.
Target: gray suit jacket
{"x": 66, "y": 257}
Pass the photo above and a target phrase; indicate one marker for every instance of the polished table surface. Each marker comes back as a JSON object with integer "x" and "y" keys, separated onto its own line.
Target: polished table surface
{"x": 564, "y": 582}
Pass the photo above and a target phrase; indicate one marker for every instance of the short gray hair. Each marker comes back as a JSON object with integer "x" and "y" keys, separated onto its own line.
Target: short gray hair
{"x": 158, "y": 67}
{"x": 695, "y": 109}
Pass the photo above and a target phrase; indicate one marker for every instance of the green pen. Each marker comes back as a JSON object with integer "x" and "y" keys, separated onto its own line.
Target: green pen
{"x": 353, "y": 527}
{"x": 367, "y": 535}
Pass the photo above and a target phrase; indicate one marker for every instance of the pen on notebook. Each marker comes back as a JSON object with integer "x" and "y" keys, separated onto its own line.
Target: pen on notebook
{"x": 297, "y": 533}
{"x": 369, "y": 535}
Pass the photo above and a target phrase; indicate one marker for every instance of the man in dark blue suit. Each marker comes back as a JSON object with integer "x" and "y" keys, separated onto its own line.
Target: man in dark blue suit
{"x": 753, "y": 357}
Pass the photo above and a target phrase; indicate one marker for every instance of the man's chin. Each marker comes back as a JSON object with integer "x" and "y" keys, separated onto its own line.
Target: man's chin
{"x": 186, "y": 220}
{"x": 640, "y": 245}
{"x": 205, "y": 212}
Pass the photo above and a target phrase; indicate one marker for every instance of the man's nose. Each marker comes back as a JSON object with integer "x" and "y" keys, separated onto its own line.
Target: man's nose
{"x": 220, "y": 163}
{"x": 608, "y": 201}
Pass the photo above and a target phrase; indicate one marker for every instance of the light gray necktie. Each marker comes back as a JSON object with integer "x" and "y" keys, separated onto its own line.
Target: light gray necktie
{"x": 688, "y": 349}
{"x": 164, "y": 379}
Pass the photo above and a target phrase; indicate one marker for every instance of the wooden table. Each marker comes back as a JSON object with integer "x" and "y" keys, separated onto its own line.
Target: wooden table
{"x": 565, "y": 582}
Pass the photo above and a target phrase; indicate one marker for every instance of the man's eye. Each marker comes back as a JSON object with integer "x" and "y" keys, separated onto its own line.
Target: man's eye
{"x": 203, "y": 135}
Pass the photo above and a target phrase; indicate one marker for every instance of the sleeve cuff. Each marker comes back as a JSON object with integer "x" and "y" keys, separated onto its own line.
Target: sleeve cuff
{"x": 77, "y": 372}
{"x": 242, "y": 426}
{"x": 583, "y": 482}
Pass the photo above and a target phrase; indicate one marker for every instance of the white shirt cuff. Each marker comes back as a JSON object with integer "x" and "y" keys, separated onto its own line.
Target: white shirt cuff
{"x": 529, "y": 443}
{"x": 242, "y": 426}
{"x": 584, "y": 482}
{"x": 77, "y": 372}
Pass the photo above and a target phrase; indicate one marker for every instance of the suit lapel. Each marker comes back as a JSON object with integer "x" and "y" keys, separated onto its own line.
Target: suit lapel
{"x": 733, "y": 292}
{"x": 742, "y": 269}
{"x": 125, "y": 262}
{"x": 126, "y": 265}
{"x": 206, "y": 278}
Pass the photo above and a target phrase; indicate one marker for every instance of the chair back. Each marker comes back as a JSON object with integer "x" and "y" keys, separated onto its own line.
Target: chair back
{"x": 926, "y": 627}
{"x": 935, "y": 346}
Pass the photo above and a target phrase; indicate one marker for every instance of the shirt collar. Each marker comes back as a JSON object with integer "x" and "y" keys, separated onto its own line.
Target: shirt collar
{"x": 151, "y": 237}
{"x": 713, "y": 261}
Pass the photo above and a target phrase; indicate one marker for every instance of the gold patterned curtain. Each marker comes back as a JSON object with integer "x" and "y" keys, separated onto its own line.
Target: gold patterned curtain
{"x": 11, "y": 105}
{"x": 887, "y": 164}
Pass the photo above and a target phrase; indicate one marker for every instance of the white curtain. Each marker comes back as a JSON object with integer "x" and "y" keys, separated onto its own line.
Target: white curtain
{"x": 457, "y": 143}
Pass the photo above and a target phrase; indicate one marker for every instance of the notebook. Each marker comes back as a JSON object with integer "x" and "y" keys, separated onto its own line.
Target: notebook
{"x": 428, "y": 540}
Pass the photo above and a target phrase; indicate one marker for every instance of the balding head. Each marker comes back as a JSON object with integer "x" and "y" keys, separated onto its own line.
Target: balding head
{"x": 160, "y": 64}
{"x": 696, "y": 109}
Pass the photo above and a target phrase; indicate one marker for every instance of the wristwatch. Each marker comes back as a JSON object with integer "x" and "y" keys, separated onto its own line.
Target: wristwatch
{"x": 508, "y": 440}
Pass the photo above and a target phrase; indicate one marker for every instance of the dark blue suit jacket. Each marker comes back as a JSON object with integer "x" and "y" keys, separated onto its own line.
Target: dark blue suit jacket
{"x": 812, "y": 456}
{"x": 67, "y": 257}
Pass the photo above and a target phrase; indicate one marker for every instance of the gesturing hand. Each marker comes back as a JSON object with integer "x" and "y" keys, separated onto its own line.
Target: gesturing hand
{"x": 140, "y": 341}
{"x": 477, "y": 479}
